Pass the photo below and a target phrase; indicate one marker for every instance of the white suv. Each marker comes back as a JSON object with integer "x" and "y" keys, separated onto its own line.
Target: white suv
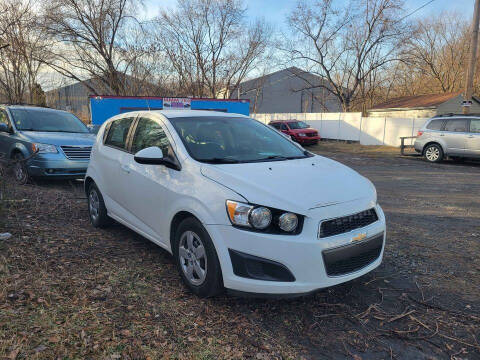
{"x": 237, "y": 204}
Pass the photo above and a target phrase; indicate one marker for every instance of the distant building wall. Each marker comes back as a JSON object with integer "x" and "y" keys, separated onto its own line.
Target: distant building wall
{"x": 454, "y": 106}
{"x": 287, "y": 92}
{"x": 407, "y": 113}
{"x": 73, "y": 98}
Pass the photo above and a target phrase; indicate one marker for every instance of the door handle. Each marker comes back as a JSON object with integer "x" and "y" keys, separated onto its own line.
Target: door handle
{"x": 125, "y": 168}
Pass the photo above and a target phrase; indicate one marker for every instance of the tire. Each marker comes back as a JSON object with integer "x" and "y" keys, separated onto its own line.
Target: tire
{"x": 96, "y": 208}
{"x": 293, "y": 138}
{"x": 20, "y": 171}
{"x": 199, "y": 269}
{"x": 433, "y": 153}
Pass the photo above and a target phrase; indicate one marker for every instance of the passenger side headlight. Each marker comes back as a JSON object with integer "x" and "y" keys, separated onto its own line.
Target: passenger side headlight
{"x": 302, "y": 134}
{"x": 44, "y": 148}
{"x": 263, "y": 219}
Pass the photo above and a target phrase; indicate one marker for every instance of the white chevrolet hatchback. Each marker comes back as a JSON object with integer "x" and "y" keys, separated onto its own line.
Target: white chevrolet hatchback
{"x": 237, "y": 204}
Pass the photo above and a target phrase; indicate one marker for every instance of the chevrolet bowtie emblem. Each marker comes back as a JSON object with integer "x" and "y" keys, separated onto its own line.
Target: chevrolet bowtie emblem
{"x": 359, "y": 237}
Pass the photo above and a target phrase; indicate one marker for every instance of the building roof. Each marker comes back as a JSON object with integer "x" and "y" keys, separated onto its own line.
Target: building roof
{"x": 309, "y": 78}
{"x": 418, "y": 101}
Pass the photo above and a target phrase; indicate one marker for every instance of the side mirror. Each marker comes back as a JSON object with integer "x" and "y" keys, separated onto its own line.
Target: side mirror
{"x": 4, "y": 128}
{"x": 152, "y": 155}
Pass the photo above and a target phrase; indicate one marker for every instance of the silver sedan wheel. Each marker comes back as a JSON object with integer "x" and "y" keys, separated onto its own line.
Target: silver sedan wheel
{"x": 93, "y": 204}
{"x": 193, "y": 258}
{"x": 432, "y": 153}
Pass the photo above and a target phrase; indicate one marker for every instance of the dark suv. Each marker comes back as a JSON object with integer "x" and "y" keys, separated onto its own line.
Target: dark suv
{"x": 44, "y": 142}
{"x": 298, "y": 131}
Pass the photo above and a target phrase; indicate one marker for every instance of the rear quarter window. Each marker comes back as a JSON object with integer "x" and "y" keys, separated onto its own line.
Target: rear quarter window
{"x": 435, "y": 125}
{"x": 117, "y": 134}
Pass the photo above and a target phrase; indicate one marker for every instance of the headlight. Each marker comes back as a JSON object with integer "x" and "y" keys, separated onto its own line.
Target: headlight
{"x": 260, "y": 217}
{"x": 44, "y": 148}
{"x": 238, "y": 213}
{"x": 288, "y": 222}
{"x": 302, "y": 134}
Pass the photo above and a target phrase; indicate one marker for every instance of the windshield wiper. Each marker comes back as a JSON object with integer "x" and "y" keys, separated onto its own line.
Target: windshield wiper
{"x": 219, "y": 161}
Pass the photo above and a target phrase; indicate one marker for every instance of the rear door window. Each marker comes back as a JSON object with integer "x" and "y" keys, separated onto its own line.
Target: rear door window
{"x": 435, "y": 125}
{"x": 457, "y": 125}
{"x": 118, "y": 133}
{"x": 475, "y": 126}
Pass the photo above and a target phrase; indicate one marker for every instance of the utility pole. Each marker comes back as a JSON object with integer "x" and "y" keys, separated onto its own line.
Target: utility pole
{"x": 473, "y": 60}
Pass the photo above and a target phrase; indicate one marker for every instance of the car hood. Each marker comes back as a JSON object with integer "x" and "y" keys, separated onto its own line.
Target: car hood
{"x": 59, "y": 138}
{"x": 293, "y": 185}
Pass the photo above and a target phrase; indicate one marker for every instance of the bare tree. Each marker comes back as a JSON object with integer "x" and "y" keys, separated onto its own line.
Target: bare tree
{"x": 437, "y": 53}
{"x": 346, "y": 45}
{"x": 94, "y": 41}
{"x": 21, "y": 61}
{"x": 210, "y": 45}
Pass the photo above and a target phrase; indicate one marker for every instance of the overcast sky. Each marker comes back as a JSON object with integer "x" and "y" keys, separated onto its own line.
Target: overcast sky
{"x": 275, "y": 11}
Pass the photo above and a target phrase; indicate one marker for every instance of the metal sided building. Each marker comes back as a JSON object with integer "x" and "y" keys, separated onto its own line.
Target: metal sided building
{"x": 103, "y": 107}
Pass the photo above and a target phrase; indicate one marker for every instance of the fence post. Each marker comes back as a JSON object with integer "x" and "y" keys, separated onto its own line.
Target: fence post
{"x": 384, "y": 128}
{"x": 360, "y": 132}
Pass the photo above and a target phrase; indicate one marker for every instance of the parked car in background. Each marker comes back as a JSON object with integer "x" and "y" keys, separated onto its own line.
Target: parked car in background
{"x": 298, "y": 131}
{"x": 44, "y": 142}
{"x": 455, "y": 136}
{"x": 237, "y": 204}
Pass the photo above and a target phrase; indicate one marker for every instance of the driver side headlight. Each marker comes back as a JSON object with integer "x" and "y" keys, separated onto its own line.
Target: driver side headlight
{"x": 44, "y": 148}
{"x": 263, "y": 219}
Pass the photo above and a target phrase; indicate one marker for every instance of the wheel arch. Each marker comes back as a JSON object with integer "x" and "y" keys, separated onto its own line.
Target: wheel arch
{"x": 176, "y": 220}
{"x": 431, "y": 143}
{"x": 86, "y": 184}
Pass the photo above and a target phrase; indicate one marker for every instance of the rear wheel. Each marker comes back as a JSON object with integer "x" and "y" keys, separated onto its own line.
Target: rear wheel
{"x": 96, "y": 208}
{"x": 20, "y": 172}
{"x": 433, "y": 153}
{"x": 196, "y": 259}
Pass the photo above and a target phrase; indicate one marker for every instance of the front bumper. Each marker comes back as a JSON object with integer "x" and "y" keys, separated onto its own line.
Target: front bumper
{"x": 56, "y": 166}
{"x": 303, "y": 255}
{"x": 307, "y": 140}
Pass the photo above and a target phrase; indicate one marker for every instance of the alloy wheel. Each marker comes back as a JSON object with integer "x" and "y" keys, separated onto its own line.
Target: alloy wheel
{"x": 93, "y": 204}
{"x": 193, "y": 259}
{"x": 19, "y": 171}
{"x": 432, "y": 153}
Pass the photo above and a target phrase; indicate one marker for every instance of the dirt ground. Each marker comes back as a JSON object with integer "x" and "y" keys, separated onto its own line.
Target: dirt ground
{"x": 70, "y": 291}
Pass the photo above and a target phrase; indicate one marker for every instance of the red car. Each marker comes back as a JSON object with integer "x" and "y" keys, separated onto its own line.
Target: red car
{"x": 297, "y": 130}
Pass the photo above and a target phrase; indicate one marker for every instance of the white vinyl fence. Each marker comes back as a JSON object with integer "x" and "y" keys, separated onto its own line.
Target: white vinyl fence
{"x": 352, "y": 126}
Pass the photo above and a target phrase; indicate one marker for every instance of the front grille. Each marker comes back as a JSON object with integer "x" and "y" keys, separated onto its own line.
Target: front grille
{"x": 347, "y": 223}
{"x": 312, "y": 134}
{"x": 353, "y": 257}
{"x": 77, "y": 152}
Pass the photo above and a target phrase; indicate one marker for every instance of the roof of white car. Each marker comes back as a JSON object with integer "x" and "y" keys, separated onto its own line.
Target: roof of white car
{"x": 194, "y": 113}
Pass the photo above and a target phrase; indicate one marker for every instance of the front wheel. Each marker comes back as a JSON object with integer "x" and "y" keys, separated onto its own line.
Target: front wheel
{"x": 20, "y": 172}
{"x": 196, "y": 259}
{"x": 96, "y": 208}
{"x": 433, "y": 153}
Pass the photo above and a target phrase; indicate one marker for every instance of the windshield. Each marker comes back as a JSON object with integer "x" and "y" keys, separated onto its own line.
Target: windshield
{"x": 297, "y": 125}
{"x": 233, "y": 140}
{"x": 47, "y": 120}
